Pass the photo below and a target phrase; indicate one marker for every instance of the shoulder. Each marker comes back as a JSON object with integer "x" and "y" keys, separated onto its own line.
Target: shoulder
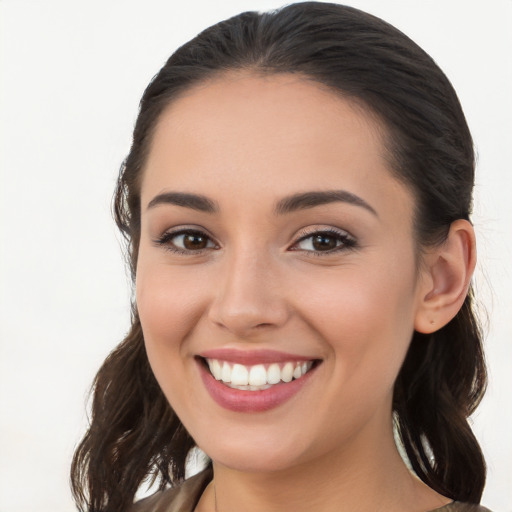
{"x": 182, "y": 498}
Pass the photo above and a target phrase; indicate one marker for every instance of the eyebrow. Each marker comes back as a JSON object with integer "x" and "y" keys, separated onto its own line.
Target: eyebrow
{"x": 193, "y": 201}
{"x": 305, "y": 200}
{"x": 293, "y": 203}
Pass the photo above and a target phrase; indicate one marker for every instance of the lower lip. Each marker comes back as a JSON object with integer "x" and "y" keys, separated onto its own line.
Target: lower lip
{"x": 252, "y": 401}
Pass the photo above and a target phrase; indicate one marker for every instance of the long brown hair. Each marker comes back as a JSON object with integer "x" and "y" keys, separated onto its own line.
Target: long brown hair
{"x": 134, "y": 433}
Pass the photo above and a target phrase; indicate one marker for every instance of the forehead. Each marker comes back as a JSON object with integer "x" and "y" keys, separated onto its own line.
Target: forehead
{"x": 267, "y": 111}
{"x": 245, "y": 132}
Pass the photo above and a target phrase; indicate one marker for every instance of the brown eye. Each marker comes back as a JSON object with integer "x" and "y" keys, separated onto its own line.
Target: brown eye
{"x": 323, "y": 242}
{"x": 186, "y": 241}
{"x": 194, "y": 241}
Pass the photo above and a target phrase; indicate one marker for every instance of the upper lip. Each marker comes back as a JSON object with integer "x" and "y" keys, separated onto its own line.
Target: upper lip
{"x": 252, "y": 357}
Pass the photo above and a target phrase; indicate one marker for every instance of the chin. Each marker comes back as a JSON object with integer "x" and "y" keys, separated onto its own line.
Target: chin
{"x": 255, "y": 454}
{"x": 252, "y": 463}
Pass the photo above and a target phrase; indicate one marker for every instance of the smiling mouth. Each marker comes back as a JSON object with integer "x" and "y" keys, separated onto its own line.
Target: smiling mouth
{"x": 257, "y": 377}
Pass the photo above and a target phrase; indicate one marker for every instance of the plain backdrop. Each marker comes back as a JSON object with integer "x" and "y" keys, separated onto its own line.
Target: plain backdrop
{"x": 72, "y": 73}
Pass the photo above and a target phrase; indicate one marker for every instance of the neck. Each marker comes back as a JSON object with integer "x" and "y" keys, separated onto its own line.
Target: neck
{"x": 364, "y": 477}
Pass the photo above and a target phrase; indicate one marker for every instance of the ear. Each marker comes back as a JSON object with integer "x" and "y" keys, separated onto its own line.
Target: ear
{"x": 446, "y": 278}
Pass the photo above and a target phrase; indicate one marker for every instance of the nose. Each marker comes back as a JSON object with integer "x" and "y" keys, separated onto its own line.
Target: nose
{"x": 249, "y": 297}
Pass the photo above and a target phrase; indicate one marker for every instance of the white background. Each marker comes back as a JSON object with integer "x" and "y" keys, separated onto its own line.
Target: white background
{"x": 71, "y": 76}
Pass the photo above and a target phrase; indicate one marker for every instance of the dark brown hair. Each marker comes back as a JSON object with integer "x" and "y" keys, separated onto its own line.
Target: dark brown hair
{"x": 134, "y": 433}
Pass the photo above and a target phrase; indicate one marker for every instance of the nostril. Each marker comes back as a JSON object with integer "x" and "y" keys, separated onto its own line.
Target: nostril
{"x": 246, "y": 301}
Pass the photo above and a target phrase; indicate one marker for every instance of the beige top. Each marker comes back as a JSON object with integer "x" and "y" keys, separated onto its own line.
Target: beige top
{"x": 185, "y": 498}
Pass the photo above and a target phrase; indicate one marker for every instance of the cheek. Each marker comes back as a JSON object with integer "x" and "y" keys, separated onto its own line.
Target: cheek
{"x": 169, "y": 305}
{"x": 366, "y": 316}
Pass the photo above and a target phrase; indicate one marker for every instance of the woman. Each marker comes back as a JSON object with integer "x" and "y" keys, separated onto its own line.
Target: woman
{"x": 296, "y": 202}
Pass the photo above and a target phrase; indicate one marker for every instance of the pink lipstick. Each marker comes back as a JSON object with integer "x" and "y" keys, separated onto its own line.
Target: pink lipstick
{"x": 253, "y": 381}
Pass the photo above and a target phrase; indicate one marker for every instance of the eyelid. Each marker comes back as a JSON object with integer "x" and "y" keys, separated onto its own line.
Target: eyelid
{"x": 349, "y": 242}
{"x": 164, "y": 240}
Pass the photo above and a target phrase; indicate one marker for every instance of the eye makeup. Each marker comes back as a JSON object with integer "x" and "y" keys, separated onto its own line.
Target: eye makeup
{"x": 317, "y": 241}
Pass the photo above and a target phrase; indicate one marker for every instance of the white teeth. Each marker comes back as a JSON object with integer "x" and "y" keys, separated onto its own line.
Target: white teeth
{"x": 215, "y": 368}
{"x": 225, "y": 373}
{"x": 273, "y": 374}
{"x": 287, "y": 372}
{"x": 239, "y": 375}
{"x": 259, "y": 388}
{"x": 249, "y": 388}
{"x": 257, "y": 377}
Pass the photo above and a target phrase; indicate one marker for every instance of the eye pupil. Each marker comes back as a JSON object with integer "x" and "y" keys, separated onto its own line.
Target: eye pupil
{"x": 193, "y": 241}
{"x": 323, "y": 242}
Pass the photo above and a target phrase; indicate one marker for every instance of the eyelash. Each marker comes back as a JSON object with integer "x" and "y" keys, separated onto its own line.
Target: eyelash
{"x": 347, "y": 241}
{"x": 165, "y": 241}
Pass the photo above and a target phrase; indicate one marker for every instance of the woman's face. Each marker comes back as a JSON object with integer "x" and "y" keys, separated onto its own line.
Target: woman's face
{"x": 275, "y": 245}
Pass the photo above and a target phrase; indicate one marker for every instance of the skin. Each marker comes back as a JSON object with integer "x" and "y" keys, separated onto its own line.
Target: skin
{"x": 246, "y": 141}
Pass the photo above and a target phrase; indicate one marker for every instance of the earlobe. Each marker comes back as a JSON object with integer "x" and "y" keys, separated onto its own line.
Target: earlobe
{"x": 448, "y": 271}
